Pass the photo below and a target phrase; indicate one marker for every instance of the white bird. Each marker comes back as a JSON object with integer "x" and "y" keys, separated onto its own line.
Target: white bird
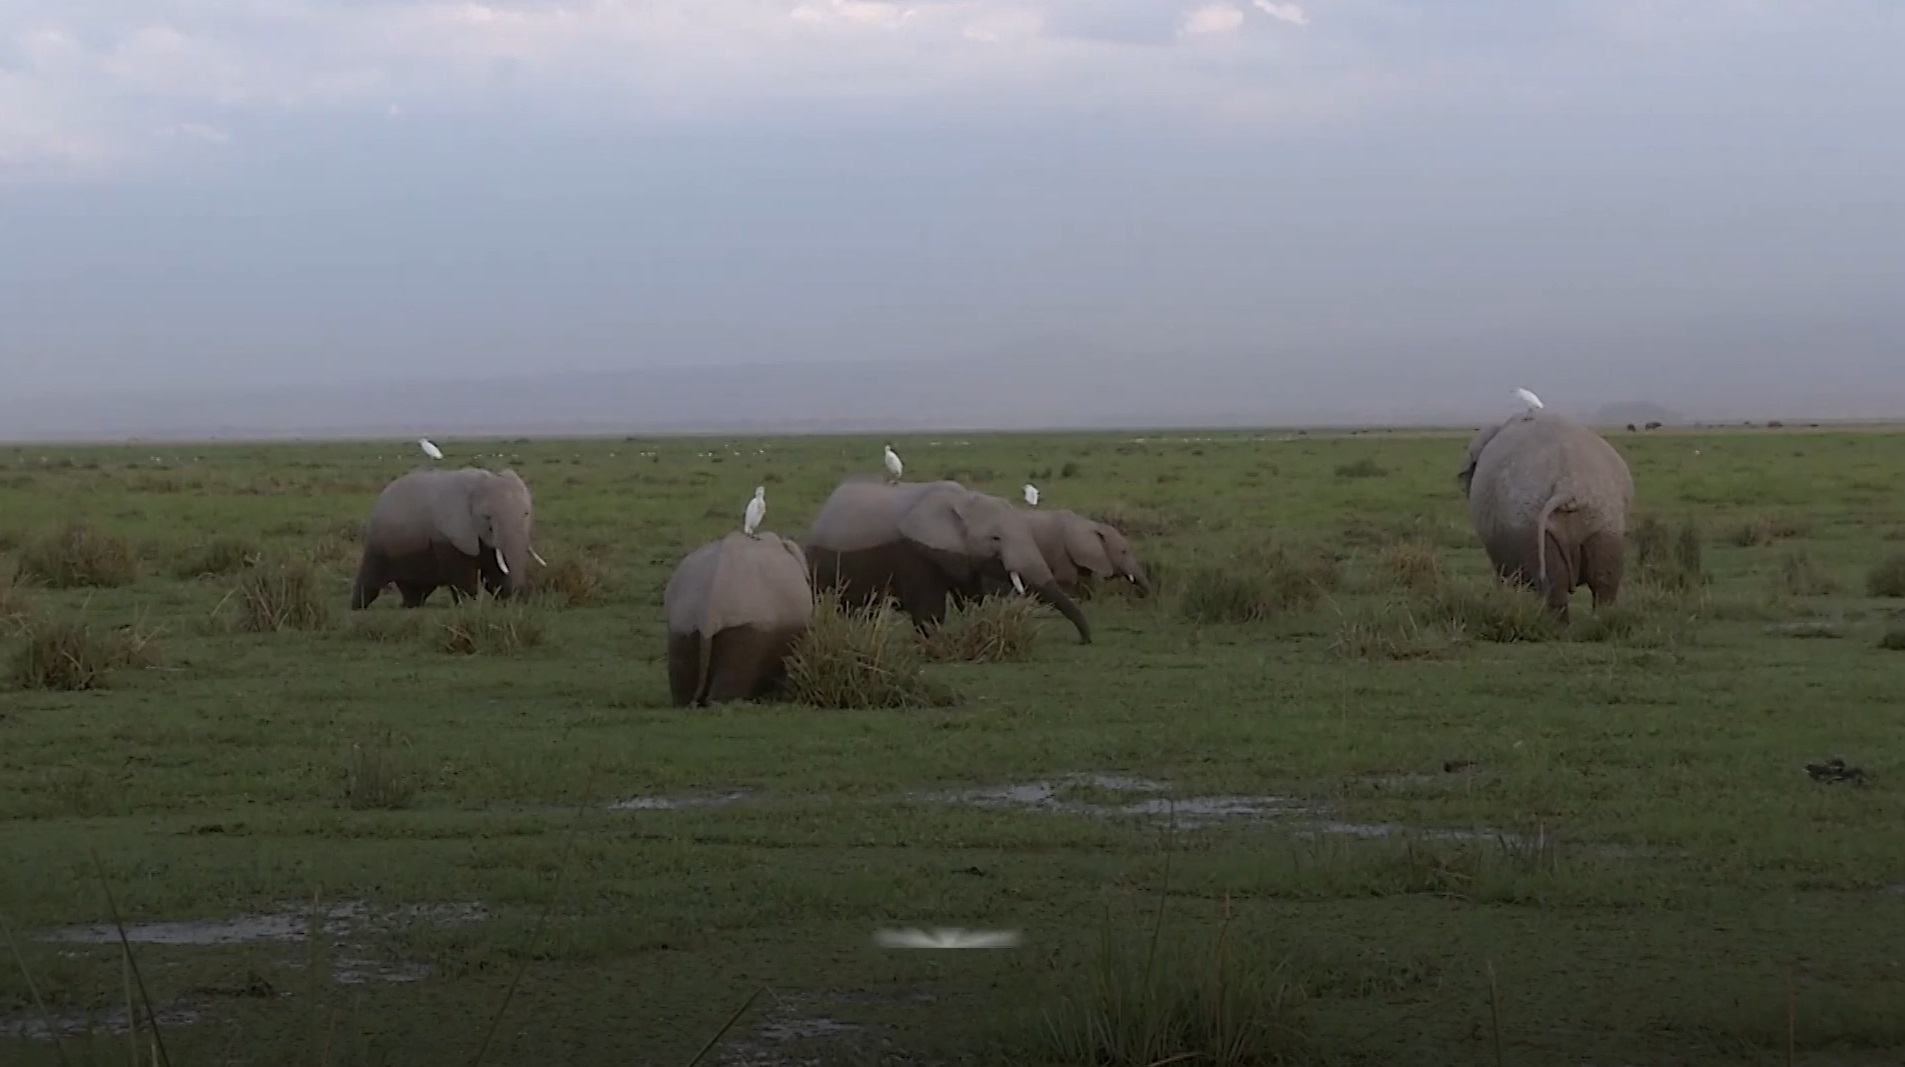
{"x": 756, "y": 511}
{"x": 893, "y": 464}
{"x": 1528, "y": 398}
{"x": 1031, "y": 494}
{"x": 429, "y": 449}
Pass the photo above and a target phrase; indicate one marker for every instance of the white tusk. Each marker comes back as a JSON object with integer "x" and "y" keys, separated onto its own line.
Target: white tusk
{"x": 1017, "y": 582}
{"x": 500, "y": 562}
{"x": 545, "y": 563}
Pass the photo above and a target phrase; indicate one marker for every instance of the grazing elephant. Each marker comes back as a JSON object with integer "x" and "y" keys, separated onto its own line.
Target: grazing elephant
{"x": 1549, "y": 499}
{"x": 459, "y": 528}
{"x": 1076, "y": 547}
{"x": 919, "y": 541}
{"x": 734, "y": 608}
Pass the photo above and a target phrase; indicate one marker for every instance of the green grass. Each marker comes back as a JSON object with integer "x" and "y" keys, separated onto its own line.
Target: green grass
{"x": 1416, "y": 821}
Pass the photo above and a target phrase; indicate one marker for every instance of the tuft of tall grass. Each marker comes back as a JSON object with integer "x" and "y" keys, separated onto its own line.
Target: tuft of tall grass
{"x": 281, "y": 594}
{"x": 66, "y": 652}
{"x": 998, "y": 629}
{"x": 1391, "y": 630}
{"x": 1362, "y": 468}
{"x": 1492, "y": 611}
{"x": 574, "y": 582}
{"x": 1258, "y": 581}
{"x": 1411, "y": 565}
{"x": 377, "y": 777}
{"x": 15, "y": 608}
{"x": 1764, "y": 530}
{"x": 220, "y": 555}
{"x": 1667, "y": 556}
{"x": 484, "y": 625}
{"x": 860, "y": 658}
{"x": 1800, "y": 575}
{"x": 1887, "y": 578}
{"x": 76, "y": 554}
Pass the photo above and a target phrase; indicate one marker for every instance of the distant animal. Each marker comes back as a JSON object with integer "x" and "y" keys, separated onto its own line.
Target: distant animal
{"x": 1031, "y": 494}
{"x": 429, "y": 449}
{"x": 893, "y": 464}
{"x": 735, "y": 607}
{"x": 1077, "y": 549}
{"x": 465, "y": 528}
{"x": 1532, "y": 401}
{"x": 920, "y": 541}
{"x": 756, "y": 511}
{"x": 1549, "y": 499}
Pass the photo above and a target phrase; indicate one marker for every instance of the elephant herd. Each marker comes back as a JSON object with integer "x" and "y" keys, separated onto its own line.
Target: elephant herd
{"x": 1548, "y": 498}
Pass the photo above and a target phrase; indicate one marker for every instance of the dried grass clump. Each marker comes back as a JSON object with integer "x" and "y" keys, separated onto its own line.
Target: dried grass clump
{"x": 281, "y": 594}
{"x": 66, "y": 652}
{"x": 1887, "y": 579}
{"x": 1492, "y": 611}
{"x": 1394, "y": 631}
{"x": 860, "y": 658}
{"x": 996, "y": 629}
{"x": 1800, "y": 575}
{"x": 1667, "y": 556}
{"x": 15, "y": 608}
{"x": 1259, "y": 581}
{"x": 1414, "y": 566}
{"x": 76, "y": 554}
{"x": 484, "y": 625}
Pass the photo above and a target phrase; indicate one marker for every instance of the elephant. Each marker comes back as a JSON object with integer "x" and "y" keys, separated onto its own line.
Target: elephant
{"x": 919, "y": 541}
{"x": 1076, "y": 547}
{"x": 734, "y": 608}
{"x": 1549, "y": 499}
{"x": 460, "y": 528}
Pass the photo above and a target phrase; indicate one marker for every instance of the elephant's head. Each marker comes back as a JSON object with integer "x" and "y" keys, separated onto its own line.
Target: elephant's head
{"x": 1476, "y": 444}
{"x": 500, "y": 522}
{"x": 1104, "y": 551}
{"x": 972, "y": 534}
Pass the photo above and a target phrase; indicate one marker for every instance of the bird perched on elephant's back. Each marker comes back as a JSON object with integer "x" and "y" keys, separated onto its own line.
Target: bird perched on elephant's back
{"x": 1549, "y": 499}
{"x": 920, "y": 541}
{"x": 466, "y": 529}
{"x": 735, "y": 607}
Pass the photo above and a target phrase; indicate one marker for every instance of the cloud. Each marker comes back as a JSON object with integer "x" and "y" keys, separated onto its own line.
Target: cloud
{"x": 1289, "y": 13}
{"x": 1213, "y": 20}
{"x": 84, "y": 82}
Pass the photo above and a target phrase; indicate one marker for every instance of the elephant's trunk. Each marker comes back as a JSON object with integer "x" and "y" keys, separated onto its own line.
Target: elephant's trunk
{"x": 1053, "y": 595}
{"x": 1140, "y": 582}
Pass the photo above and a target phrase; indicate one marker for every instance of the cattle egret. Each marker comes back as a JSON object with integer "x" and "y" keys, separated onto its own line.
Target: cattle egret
{"x": 893, "y": 464}
{"x": 1031, "y": 494}
{"x": 756, "y": 511}
{"x": 429, "y": 449}
{"x": 1528, "y": 398}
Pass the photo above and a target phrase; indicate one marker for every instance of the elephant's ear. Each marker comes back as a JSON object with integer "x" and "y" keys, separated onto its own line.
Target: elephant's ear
{"x": 460, "y": 516}
{"x": 938, "y": 522}
{"x": 1085, "y": 543}
{"x": 792, "y": 548}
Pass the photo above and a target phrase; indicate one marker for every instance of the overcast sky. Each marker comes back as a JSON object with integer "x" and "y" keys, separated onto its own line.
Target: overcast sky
{"x": 273, "y": 192}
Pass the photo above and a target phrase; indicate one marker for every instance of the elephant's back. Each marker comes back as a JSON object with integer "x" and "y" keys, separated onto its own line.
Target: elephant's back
{"x": 739, "y": 581}
{"x": 863, "y": 513}
{"x": 688, "y": 588}
{"x": 1532, "y": 461}
{"x": 402, "y": 511}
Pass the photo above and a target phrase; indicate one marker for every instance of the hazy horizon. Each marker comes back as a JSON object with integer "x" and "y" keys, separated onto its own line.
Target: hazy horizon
{"x": 280, "y": 214}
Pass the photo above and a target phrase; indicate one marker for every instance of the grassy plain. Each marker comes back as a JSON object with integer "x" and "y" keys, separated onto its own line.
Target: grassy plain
{"x": 1417, "y": 840}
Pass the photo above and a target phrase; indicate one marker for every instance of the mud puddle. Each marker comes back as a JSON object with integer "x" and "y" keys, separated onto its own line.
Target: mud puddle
{"x": 691, "y": 802}
{"x": 803, "y": 1017}
{"x": 344, "y": 926}
{"x": 1059, "y": 795}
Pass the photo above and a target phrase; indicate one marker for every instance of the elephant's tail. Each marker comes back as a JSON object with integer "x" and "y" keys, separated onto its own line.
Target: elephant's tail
{"x": 703, "y": 670}
{"x": 1555, "y": 502}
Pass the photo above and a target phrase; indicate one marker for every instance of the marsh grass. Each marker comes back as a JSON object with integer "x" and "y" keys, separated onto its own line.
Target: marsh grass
{"x": 996, "y": 629}
{"x": 1261, "y": 580}
{"x": 16, "y": 604}
{"x": 77, "y": 555}
{"x": 219, "y": 556}
{"x": 859, "y": 658}
{"x": 1362, "y": 468}
{"x": 379, "y": 775}
{"x": 1765, "y": 529}
{"x": 483, "y": 625}
{"x": 1412, "y": 565}
{"x": 386, "y": 627}
{"x": 68, "y": 652}
{"x": 1491, "y": 611}
{"x": 1391, "y": 630}
{"x": 283, "y": 593}
{"x": 1887, "y": 578}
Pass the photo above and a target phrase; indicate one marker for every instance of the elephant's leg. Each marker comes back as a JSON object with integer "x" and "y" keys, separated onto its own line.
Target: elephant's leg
{"x": 458, "y": 571}
{"x": 923, "y": 596}
{"x": 684, "y": 667}
{"x": 749, "y": 663}
{"x": 369, "y": 582}
{"x": 1603, "y": 562}
{"x": 415, "y": 593}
